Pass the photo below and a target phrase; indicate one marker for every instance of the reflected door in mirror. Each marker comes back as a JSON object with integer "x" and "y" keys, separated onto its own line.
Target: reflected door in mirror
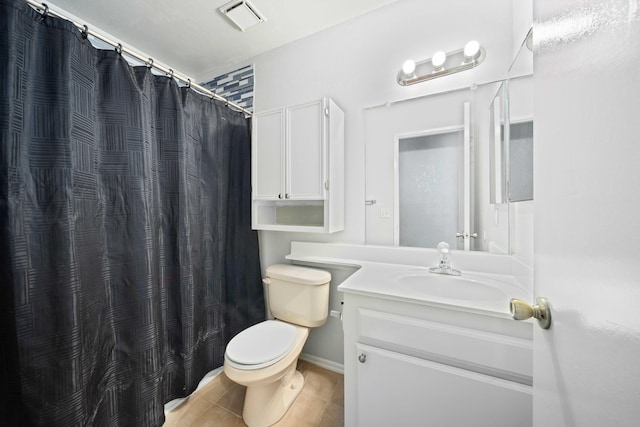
{"x": 521, "y": 161}
{"x": 430, "y": 180}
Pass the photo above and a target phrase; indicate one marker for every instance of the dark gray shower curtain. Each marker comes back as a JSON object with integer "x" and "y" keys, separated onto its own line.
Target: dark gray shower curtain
{"x": 127, "y": 259}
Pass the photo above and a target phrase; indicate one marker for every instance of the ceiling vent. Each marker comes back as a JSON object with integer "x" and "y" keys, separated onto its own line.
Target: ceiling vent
{"x": 242, "y": 13}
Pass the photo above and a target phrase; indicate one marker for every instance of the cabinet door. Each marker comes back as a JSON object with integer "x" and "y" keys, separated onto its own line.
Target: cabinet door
{"x": 306, "y": 152}
{"x": 399, "y": 390}
{"x": 268, "y": 144}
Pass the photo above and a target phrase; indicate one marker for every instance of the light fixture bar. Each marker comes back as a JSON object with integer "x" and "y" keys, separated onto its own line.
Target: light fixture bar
{"x": 472, "y": 55}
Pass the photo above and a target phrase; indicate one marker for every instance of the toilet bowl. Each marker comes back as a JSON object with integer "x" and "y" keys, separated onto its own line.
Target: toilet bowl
{"x": 264, "y": 357}
{"x": 271, "y": 389}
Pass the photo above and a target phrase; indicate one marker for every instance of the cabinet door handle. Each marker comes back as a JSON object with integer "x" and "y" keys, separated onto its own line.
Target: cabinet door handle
{"x": 362, "y": 358}
{"x": 279, "y": 196}
{"x": 286, "y": 196}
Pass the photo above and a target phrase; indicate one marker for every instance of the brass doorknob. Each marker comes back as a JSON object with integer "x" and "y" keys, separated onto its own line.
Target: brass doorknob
{"x": 520, "y": 310}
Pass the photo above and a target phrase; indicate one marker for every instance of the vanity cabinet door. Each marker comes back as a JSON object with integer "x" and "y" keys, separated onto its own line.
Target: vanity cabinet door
{"x": 399, "y": 390}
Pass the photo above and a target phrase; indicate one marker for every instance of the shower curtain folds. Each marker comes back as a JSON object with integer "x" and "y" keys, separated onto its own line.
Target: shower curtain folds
{"x": 127, "y": 260}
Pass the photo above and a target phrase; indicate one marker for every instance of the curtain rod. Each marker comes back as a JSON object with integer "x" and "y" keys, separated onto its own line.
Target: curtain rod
{"x": 44, "y": 8}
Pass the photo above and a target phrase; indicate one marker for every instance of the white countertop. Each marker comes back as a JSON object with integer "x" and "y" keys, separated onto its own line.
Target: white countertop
{"x": 376, "y": 278}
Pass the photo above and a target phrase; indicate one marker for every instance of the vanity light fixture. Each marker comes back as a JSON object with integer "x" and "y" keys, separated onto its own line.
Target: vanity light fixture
{"x": 466, "y": 58}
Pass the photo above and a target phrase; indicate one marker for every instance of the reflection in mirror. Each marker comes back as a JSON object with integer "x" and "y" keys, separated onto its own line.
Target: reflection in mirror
{"x": 521, "y": 148}
{"x": 497, "y": 147}
{"x": 521, "y": 161}
{"x": 511, "y": 155}
{"x": 520, "y": 119}
{"x": 511, "y": 122}
{"x": 430, "y": 188}
{"x": 387, "y": 223}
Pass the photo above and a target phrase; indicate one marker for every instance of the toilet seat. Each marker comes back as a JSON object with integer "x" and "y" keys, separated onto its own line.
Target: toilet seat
{"x": 261, "y": 345}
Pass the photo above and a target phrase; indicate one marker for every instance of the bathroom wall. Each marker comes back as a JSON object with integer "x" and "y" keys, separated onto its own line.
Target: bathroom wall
{"x": 355, "y": 63}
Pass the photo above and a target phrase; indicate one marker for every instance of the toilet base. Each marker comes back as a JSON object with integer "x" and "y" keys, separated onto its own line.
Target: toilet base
{"x": 266, "y": 403}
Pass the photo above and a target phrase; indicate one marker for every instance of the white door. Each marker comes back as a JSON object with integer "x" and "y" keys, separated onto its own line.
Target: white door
{"x": 587, "y": 212}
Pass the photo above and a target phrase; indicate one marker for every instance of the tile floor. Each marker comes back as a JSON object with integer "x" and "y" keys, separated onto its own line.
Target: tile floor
{"x": 219, "y": 403}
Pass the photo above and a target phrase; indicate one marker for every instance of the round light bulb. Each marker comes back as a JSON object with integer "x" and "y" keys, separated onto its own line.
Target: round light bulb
{"x": 408, "y": 67}
{"x": 438, "y": 60}
{"x": 472, "y": 50}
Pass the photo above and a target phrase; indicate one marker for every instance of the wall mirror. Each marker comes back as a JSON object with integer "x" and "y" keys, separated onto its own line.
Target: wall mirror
{"x": 511, "y": 121}
{"x": 427, "y": 173}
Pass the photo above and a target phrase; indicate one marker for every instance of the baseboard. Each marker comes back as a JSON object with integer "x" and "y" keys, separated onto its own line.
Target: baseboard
{"x": 323, "y": 363}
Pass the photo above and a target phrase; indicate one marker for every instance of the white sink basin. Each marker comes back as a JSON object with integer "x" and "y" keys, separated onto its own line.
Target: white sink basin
{"x": 467, "y": 287}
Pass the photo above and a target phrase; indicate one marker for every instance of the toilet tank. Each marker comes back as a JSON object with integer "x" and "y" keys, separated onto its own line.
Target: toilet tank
{"x": 298, "y": 295}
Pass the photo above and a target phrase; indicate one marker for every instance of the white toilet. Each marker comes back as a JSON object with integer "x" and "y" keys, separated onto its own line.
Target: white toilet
{"x": 264, "y": 357}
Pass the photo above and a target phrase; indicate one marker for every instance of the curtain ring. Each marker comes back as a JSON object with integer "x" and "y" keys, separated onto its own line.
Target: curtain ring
{"x": 188, "y": 83}
{"x": 45, "y": 11}
{"x": 170, "y": 73}
{"x": 85, "y": 32}
{"x": 149, "y": 63}
{"x": 119, "y": 49}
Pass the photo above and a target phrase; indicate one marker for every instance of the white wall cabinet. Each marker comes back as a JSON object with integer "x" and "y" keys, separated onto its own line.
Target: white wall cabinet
{"x": 298, "y": 168}
{"x": 415, "y": 365}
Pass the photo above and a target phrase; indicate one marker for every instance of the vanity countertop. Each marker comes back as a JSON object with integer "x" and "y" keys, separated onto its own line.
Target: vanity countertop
{"x": 480, "y": 290}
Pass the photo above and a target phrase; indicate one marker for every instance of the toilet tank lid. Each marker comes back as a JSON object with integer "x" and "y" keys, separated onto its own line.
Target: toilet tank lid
{"x": 298, "y": 274}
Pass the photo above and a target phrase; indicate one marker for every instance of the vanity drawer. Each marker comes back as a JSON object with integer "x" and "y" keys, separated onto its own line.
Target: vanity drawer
{"x": 484, "y": 352}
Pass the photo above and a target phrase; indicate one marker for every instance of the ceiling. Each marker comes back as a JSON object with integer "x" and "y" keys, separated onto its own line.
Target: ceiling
{"x": 195, "y": 39}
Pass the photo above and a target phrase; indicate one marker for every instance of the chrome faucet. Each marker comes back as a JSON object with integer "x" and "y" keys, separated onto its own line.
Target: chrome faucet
{"x": 443, "y": 266}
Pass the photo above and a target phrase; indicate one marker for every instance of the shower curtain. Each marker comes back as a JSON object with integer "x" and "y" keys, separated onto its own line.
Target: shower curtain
{"x": 127, "y": 260}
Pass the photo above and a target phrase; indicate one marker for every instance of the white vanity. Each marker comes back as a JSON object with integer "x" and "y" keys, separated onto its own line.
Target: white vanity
{"x": 424, "y": 349}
